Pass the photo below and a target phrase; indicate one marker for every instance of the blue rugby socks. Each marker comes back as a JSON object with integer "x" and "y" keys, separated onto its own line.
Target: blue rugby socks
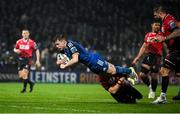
{"x": 122, "y": 70}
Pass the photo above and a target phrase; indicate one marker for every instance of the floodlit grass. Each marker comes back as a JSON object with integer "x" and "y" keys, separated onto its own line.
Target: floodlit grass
{"x": 76, "y": 98}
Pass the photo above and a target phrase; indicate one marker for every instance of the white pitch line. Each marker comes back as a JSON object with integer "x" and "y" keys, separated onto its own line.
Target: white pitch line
{"x": 58, "y": 109}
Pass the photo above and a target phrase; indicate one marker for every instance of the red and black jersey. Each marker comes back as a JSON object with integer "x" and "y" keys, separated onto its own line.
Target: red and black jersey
{"x": 108, "y": 81}
{"x": 153, "y": 47}
{"x": 26, "y": 47}
{"x": 168, "y": 26}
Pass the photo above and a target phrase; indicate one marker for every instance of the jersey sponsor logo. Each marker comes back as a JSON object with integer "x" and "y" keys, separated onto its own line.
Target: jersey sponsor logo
{"x": 73, "y": 49}
{"x": 99, "y": 62}
{"x": 25, "y": 47}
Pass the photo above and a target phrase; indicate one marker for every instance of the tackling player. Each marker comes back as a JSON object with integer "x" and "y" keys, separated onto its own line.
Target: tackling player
{"x": 120, "y": 89}
{"x": 152, "y": 60}
{"x": 93, "y": 61}
{"x": 171, "y": 36}
{"x": 24, "y": 47}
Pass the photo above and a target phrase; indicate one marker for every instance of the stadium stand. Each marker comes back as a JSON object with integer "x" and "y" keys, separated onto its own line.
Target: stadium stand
{"x": 113, "y": 28}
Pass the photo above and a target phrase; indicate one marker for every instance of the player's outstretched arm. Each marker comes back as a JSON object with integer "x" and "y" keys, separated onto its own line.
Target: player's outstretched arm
{"x": 174, "y": 34}
{"x": 115, "y": 88}
{"x": 74, "y": 60}
{"x": 141, "y": 52}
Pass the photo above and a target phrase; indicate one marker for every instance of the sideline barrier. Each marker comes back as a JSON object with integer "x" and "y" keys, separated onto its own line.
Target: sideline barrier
{"x": 59, "y": 77}
{"x": 53, "y": 77}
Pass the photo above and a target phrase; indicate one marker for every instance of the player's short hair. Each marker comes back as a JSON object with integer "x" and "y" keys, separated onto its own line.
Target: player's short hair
{"x": 25, "y": 29}
{"x": 156, "y": 22}
{"x": 160, "y": 9}
{"x": 60, "y": 37}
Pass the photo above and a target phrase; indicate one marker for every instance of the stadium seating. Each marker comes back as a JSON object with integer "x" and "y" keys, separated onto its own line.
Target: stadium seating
{"x": 114, "y": 28}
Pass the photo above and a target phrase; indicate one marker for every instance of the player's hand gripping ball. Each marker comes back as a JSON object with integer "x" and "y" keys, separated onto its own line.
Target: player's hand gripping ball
{"x": 63, "y": 58}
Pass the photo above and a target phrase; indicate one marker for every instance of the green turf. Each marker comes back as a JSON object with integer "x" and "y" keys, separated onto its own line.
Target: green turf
{"x": 76, "y": 98}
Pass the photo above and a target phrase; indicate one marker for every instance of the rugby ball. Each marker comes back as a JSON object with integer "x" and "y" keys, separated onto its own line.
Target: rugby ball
{"x": 62, "y": 56}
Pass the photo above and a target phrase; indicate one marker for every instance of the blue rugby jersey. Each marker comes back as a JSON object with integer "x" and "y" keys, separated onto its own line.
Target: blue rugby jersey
{"x": 93, "y": 60}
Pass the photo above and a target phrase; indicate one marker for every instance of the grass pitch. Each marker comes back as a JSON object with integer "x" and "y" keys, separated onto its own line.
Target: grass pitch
{"x": 76, "y": 98}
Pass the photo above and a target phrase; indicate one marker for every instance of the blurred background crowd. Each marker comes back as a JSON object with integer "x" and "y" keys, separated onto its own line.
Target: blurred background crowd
{"x": 113, "y": 28}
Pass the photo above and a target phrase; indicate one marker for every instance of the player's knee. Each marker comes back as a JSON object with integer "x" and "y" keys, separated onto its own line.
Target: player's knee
{"x": 25, "y": 77}
{"x": 23, "y": 74}
{"x": 164, "y": 71}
